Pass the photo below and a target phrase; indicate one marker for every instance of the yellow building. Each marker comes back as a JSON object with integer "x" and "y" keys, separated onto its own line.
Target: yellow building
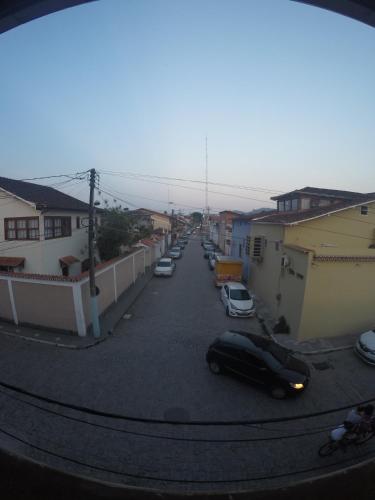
{"x": 151, "y": 219}
{"x": 313, "y": 262}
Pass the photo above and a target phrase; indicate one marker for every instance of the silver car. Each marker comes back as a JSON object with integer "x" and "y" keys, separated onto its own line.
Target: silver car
{"x": 165, "y": 267}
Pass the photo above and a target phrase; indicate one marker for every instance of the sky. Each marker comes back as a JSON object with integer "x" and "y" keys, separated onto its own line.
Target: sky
{"x": 284, "y": 93}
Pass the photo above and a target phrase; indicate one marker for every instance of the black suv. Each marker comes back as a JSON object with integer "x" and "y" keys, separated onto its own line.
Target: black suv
{"x": 260, "y": 360}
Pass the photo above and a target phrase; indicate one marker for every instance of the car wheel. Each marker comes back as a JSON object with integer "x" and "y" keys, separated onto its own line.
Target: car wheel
{"x": 214, "y": 367}
{"x": 227, "y": 311}
{"x": 278, "y": 392}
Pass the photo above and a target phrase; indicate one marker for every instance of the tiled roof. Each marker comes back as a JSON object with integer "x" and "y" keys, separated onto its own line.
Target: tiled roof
{"x": 44, "y": 197}
{"x": 331, "y": 193}
{"x": 68, "y": 260}
{"x": 291, "y": 217}
{"x": 11, "y": 261}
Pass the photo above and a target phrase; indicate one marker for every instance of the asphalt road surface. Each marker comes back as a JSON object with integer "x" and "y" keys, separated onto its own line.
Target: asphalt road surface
{"x": 154, "y": 367}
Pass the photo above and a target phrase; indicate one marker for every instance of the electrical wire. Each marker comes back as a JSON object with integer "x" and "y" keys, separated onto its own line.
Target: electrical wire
{"x": 231, "y": 195}
{"x": 129, "y": 418}
{"x": 170, "y": 438}
{"x": 183, "y": 481}
{"x": 196, "y": 181}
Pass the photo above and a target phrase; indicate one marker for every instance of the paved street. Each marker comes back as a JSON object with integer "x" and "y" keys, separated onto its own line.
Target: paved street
{"x": 154, "y": 367}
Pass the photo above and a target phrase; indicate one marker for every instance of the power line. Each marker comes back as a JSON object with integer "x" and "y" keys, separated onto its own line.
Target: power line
{"x": 235, "y": 186}
{"x": 169, "y": 438}
{"x": 231, "y": 195}
{"x": 129, "y": 418}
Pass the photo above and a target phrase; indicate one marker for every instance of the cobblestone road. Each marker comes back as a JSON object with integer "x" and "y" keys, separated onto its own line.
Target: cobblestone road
{"x": 154, "y": 367}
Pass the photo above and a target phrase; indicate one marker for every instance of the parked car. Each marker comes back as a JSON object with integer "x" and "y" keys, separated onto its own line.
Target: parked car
{"x": 212, "y": 258}
{"x": 175, "y": 253}
{"x": 165, "y": 267}
{"x": 181, "y": 243}
{"x": 209, "y": 249}
{"x": 237, "y": 300}
{"x": 259, "y": 360}
{"x": 365, "y": 347}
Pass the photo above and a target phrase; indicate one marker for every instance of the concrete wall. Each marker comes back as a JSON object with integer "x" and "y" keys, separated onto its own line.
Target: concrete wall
{"x": 50, "y": 305}
{"x": 5, "y": 304}
{"x": 265, "y": 275}
{"x": 23, "y": 477}
{"x": 63, "y": 304}
{"x": 292, "y": 286}
{"x": 339, "y": 300}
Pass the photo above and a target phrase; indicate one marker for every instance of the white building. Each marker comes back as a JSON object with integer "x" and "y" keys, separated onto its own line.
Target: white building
{"x": 42, "y": 230}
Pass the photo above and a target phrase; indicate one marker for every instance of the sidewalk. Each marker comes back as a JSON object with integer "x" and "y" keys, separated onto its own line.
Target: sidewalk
{"x": 306, "y": 347}
{"x": 68, "y": 340}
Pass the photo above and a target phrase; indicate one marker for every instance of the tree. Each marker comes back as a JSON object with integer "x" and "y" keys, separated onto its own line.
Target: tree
{"x": 113, "y": 233}
{"x": 197, "y": 218}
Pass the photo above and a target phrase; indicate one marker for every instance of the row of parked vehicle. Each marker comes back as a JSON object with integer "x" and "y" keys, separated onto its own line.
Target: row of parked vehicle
{"x": 249, "y": 356}
{"x": 166, "y": 266}
{"x": 236, "y": 298}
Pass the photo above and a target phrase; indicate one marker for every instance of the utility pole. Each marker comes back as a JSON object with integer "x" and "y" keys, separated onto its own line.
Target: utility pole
{"x": 93, "y": 299}
{"x": 207, "y": 211}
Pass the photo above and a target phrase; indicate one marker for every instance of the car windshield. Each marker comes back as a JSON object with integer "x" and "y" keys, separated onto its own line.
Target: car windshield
{"x": 239, "y": 295}
{"x": 164, "y": 264}
{"x": 175, "y": 249}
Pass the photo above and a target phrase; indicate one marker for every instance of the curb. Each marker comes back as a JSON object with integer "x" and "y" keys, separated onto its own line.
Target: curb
{"x": 48, "y": 342}
{"x": 302, "y": 353}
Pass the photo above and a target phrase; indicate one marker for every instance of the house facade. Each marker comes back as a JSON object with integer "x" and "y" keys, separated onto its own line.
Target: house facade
{"x": 240, "y": 247}
{"x": 214, "y": 229}
{"x": 42, "y": 230}
{"x": 225, "y": 230}
{"x": 315, "y": 266}
{"x": 151, "y": 219}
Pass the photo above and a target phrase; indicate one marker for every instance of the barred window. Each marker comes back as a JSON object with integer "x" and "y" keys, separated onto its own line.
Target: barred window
{"x": 258, "y": 246}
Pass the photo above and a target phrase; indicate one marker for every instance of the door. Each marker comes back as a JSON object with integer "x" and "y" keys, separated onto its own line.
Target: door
{"x": 254, "y": 368}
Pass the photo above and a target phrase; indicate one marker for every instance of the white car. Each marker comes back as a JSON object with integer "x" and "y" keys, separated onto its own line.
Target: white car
{"x": 365, "y": 347}
{"x": 237, "y": 300}
{"x": 165, "y": 267}
{"x": 175, "y": 253}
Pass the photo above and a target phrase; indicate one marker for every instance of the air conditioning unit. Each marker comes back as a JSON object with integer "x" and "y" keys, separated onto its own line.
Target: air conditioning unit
{"x": 285, "y": 262}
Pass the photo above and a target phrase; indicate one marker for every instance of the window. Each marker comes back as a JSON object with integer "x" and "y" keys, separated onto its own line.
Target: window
{"x": 78, "y": 222}
{"x": 364, "y": 210}
{"x": 247, "y": 250}
{"x": 258, "y": 247}
{"x": 295, "y": 204}
{"x": 240, "y": 250}
{"x": 305, "y": 203}
{"x": 22, "y": 228}
{"x": 288, "y": 205}
{"x": 277, "y": 246}
{"x": 57, "y": 227}
{"x": 281, "y": 206}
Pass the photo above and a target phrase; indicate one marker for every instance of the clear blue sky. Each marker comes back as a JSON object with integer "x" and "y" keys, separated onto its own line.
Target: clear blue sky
{"x": 284, "y": 92}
